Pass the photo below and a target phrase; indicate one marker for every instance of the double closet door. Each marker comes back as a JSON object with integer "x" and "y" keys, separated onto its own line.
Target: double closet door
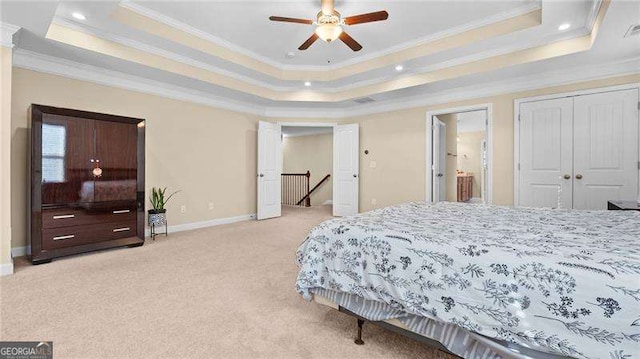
{"x": 579, "y": 152}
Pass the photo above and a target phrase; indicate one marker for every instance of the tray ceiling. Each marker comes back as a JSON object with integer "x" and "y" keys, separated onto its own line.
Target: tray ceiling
{"x": 229, "y": 49}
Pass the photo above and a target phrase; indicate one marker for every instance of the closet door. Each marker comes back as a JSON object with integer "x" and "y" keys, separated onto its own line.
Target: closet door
{"x": 545, "y": 176}
{"x": 605, "y": 148}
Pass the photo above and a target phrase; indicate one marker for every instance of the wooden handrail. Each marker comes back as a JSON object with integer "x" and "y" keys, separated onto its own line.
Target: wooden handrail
{"x": 313, "y": 189}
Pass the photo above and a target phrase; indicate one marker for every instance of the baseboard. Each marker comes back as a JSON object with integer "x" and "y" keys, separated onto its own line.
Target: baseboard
{"x": 327, "y": 202}
{"x": 20, "y": 251}
{"x": 204, "y": 224}
{"x": 6, "y": 269}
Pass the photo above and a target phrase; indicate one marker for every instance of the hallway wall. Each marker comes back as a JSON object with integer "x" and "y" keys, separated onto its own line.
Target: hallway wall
{"x": 312, "y": 153}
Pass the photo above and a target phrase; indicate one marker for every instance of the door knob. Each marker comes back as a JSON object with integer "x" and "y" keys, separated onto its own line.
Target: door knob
{"x": 355, "y": 176}
{"x": 440, "y": 175}
{"x": 261, "y": 175}
{"x": 567, "y": 176}
{"x": 578, "y": 176}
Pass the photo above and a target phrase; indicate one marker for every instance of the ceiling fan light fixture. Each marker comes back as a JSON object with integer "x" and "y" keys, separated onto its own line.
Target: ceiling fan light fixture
{"x": 328, "y": 32}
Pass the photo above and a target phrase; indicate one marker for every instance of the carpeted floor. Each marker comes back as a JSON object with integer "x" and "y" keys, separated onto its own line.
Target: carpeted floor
{"x": 225, "y": 291}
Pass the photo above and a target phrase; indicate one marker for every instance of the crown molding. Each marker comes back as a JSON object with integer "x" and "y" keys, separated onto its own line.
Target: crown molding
{"x": 496, "y": 88}
{"x": 326, "y": 90}
{"x": 425, "y": 40}
{"x": 144, "y": 11}
{"x": 461, "y": 60}
{"x": 56, "y": 66}
{"x": 164, "y": 53}
{"x": 108, "y": 44}
{"x": 593, "y": 14}
{"x": 169, "y": 21}
{"x": 6, "y": 34}
{"x": 324, "y": 74}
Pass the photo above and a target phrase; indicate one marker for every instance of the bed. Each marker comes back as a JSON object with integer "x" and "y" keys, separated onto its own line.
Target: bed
{"x": 485, "y": 281}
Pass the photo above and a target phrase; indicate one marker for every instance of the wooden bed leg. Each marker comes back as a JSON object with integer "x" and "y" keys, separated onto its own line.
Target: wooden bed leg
{"x": 359, "y": 340}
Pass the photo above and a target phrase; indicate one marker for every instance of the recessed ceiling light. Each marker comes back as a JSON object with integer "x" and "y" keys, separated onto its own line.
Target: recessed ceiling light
{"x": 307, "y": 83}
{"x": 78, "y": 16}
{"x": 399, "y": 68}
{"x": 564, "y": 26}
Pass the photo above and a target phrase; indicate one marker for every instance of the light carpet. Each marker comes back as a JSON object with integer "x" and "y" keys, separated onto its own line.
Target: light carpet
{"x": 218, "y": 292}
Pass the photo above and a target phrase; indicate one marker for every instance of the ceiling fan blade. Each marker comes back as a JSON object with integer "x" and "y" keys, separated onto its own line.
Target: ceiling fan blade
{"x": 364, "y": 18}
{"x": 349, "y": 41}
{"x": 290, "y": 19}
{"x": 309, "y": 42}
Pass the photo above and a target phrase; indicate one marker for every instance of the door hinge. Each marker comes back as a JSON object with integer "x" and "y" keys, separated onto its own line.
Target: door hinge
{"x": 518, "y": 166}
{"x": 638, "y": 105}
{"x": 519, "y": 117}
{"x": 639, "y": 165}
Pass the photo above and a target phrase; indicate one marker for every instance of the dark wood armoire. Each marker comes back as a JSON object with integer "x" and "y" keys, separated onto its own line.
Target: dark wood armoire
{"x": 87, "y": 182}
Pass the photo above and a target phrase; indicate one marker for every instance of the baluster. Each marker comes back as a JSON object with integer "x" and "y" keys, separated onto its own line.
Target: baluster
{"x": 308, "y": 200}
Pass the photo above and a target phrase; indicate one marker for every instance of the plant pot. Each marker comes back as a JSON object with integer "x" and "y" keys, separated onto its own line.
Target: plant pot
{"x": 157, "y": 217}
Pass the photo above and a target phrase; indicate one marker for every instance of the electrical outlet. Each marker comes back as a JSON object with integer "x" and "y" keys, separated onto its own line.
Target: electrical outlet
{"x": 183, "y": 209}
{"x": 374, "y": 201}
{"x": 211, "y": 206}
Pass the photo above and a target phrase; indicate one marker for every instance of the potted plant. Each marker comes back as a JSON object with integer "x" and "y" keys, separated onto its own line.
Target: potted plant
{"x": 158, "y": 215}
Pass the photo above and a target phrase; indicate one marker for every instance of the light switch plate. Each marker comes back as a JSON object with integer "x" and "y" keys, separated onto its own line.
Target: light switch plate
{"x": 373, "y": 164}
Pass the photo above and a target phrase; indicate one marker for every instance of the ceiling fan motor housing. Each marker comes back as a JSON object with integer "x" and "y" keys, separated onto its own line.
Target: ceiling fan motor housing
{"x": 328, "y": 19}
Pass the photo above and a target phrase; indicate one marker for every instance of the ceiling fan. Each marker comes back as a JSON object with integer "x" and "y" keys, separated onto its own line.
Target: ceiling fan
{"x": 329, "y": 25}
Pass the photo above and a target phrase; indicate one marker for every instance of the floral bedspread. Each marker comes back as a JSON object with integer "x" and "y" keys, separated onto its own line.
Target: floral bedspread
{"x": 560, "y": 281}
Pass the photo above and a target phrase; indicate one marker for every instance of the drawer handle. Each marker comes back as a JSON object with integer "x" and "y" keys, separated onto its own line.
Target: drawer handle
{"x": 121, "y": 211}
{"x": 123, "y": 229}
{"x": 60, "y": 238}
{"x": 64, "y": 216}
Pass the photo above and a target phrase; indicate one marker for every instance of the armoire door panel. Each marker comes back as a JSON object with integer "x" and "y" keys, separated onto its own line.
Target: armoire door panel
{"x": 117, "y": 155}
{"x": 546, "y": 153}
{"x": 67, "y": 150}
{"x": 605, "y": 148}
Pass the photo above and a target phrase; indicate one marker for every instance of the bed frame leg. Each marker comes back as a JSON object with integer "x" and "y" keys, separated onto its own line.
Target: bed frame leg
{"x": 359, "y": 340}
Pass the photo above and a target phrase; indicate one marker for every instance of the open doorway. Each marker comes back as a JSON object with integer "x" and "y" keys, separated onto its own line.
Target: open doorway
{"x": 458, "y": 155}
{"x": 345, "y": 175}
{"x": 307, "y": 168}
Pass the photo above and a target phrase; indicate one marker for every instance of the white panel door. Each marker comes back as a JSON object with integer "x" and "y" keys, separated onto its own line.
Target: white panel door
{"x": 346, "y": 169}
{"x": 546, "y": 131}
{"x": 439, "y": 160}
{"x": 605, "y": 148}
{"x": 269, "y": 170}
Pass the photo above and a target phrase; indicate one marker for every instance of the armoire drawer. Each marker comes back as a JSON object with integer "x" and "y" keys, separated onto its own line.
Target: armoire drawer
{"x": 62, "y": 237}
{"x": 65, "y": 217}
